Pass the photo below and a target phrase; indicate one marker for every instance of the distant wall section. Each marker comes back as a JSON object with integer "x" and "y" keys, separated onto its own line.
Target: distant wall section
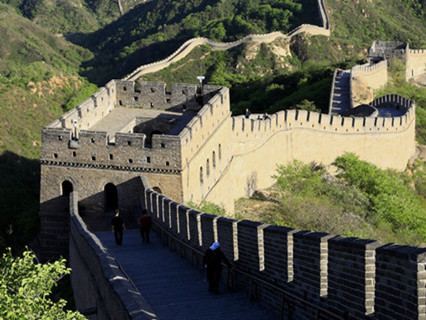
{"x": 260, "y": 145}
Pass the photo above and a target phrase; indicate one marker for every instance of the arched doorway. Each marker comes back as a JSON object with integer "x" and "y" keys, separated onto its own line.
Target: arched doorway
{"x": 67, "y": 188}
{"x": 111, "y": 197}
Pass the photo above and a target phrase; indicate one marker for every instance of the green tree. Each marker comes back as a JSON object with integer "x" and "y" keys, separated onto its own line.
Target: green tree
{"x": 25, "y": 287}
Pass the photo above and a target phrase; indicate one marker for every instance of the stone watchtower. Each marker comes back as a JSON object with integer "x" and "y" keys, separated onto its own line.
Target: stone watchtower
{"x": 99, "y": 148}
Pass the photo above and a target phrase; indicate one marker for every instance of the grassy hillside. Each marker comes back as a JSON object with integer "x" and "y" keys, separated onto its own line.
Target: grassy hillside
{"x": 70, "y": 16}
{"x": 39, "y": 80}
{"x": 359, "y": 201}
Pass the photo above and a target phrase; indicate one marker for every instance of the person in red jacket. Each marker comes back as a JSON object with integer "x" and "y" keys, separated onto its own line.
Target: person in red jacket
{"x": 212, "y": 261}
{"x": 144, "y": 226}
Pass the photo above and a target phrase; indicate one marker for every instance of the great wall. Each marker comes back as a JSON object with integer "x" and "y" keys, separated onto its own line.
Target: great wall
{"x": 134, "y": 145}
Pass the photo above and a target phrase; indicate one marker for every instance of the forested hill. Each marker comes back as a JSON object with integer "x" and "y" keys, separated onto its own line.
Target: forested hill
{"x": 69, "y": 16}
{"x": 154, "y": 30}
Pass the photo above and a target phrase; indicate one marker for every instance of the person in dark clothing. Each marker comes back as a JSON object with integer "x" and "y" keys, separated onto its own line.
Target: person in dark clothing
{"x": 144, "y": 226}
{"x": 118, "y": 227}
{"x": 212, "y": 261}
{"x": 248, "y": 113}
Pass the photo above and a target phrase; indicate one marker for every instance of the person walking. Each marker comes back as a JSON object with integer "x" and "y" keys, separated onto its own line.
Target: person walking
{"x": 212, "y": 262}
{"x": 144, "y": 226}
{"x": 117, "y": 227}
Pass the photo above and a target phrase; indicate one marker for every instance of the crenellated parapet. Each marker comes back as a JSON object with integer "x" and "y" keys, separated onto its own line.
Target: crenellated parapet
{"x": 368, "y": 76}
{"x": 301, "y": 271}
{"x": 415, "y": 63}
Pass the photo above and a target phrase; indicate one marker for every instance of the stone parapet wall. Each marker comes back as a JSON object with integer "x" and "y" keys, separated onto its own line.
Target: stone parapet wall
{"x": 90, "y": 110}
{"x": 154, "y": 95}
{"x": 370, "y": 76}
{"x": 100, "y": 285}
{"x": 415, "y": 63}
{"x": 353, "y": 278}
{"x": 258, "y": 146}
{"x": 93, "y": 148}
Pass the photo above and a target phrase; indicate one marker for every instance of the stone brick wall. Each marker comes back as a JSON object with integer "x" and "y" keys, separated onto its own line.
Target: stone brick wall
{"x": 372, "y": 76}
{"x": 415, "y": 63}
{"x": 97, "y": 279}
{"x": 349, "y": 277}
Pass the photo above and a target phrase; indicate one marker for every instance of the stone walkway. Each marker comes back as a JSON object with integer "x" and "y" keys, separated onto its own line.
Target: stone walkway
{"x": 341, "y": 97}
{"x": 173, "y": 288}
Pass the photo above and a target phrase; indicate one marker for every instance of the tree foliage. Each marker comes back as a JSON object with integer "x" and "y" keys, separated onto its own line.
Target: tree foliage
{"x": 391, "y": 200}
{"x": 360, "y": 200}
{"x": 25, "y": 286}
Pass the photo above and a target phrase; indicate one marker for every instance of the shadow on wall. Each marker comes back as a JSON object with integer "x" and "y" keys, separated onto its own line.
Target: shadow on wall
{"x": 19, "y": 199}
{"x": 96, "y": 211}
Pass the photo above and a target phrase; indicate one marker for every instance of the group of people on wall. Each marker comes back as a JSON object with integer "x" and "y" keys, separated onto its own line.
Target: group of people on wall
{"x": 212, "y": 260}
{"x": 118, "y": 226}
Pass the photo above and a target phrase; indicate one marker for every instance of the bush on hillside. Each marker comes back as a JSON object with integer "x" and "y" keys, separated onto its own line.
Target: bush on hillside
{"x": 391, "y": 200}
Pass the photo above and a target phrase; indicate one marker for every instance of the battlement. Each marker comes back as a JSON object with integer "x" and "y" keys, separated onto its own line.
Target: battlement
{"x": 208, "y": 119}
{"x": 355, "y": 277}
{"x": 154, "y": 95}
{"x": 248, "y": 129}
{"x": 417, "y": 51}
{"x": 368, "y": 69}
{"x": 93, "y": 149}
{"x": 135, "y": 138}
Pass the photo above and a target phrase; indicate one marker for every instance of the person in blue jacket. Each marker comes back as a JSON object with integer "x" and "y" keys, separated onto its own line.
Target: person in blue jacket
{"x": 212, "y": 262}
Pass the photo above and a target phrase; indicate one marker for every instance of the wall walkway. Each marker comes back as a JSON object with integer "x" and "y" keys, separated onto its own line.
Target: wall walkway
{"x": 173, "y": 287}
{"x": 340, "y": 96}
{"x": 102, "y": 290}
{"x": 308, "y": 275}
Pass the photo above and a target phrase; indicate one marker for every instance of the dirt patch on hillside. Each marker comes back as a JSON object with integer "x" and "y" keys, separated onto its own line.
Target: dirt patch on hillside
{"x": 56, "y": 82}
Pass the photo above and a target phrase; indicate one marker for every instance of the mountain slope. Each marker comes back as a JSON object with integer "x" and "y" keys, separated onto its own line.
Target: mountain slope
{"x": 154, "y": 30}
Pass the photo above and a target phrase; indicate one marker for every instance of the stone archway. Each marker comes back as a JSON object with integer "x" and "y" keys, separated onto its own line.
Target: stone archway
{"x": 111, "y": 197}
{"x": 66, "y": 189}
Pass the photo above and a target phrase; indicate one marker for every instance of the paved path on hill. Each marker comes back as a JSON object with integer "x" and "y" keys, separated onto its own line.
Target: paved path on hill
{"x": 341, "y": 97}
{"x": 174, "y": 289}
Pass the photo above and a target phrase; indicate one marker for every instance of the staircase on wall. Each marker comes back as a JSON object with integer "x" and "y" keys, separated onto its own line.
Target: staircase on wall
{"x": 341, "y": 95}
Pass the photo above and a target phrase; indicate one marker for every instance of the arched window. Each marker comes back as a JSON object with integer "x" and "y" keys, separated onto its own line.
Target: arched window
{"x": 208, "y": 167}
{"x": 220, "y": 151}
{"x": 201, "y": 175}
{"x": 67, "y": 188}
{"x": 111, "y": 197}
{"x": 157, "y": 189}
{"x": 214, "y": 159}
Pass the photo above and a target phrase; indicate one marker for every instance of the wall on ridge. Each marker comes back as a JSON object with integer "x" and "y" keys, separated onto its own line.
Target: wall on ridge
{"x": 260, "y": 145}
{"x": 362, "y": 278}
{"x": 98, "y": 282}
{"x": 190, "y": 44}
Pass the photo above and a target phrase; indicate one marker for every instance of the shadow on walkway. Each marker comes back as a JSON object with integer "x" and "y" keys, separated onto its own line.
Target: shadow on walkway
{"x": 173, "y": 288}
